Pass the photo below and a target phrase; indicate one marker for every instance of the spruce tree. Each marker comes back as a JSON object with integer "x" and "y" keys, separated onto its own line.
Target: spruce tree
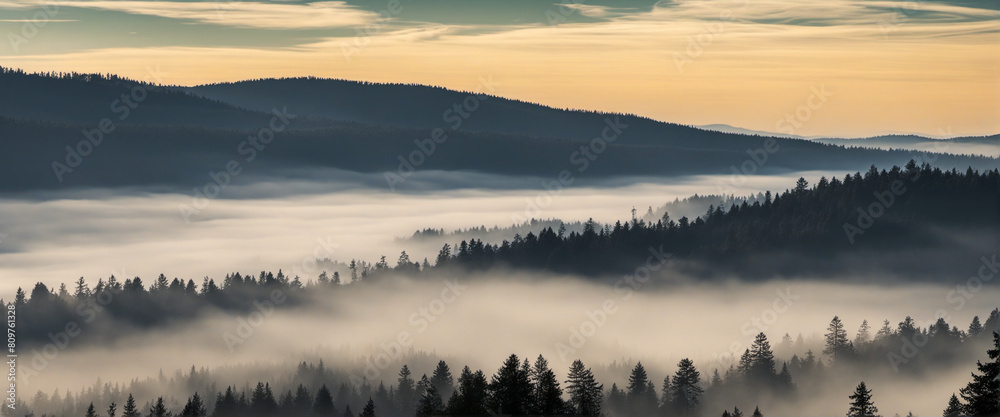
{"x": 195, "y": 407}
{"x": 158, "y": 409}
{"x": 130, "y": 409}
{"x": 756, "y": 412}
{"x": 510, "y": 389}
{"x": 954, "y": 408}
{"x": 90, "y": 411}
{"x": 861, "y": 404}
{"x": 982, "y": 394}
{"x": 836, "y": 339}
{"x": 369, "y": 410}
{"x": 112, "y": 409}
{"x": 585, "y": 394}
{"x": 548, "y": 394}
{"x": 687, "y": 389}
{"x": 471, "y": 397}
{"x": 975, "y": 328}
{"x": 406, "y": 391}
{"x": 323, "y": 404}
{"x": 442, "y": 380}
{"x": 430, "y": 403}
{"x": 762, "y": 365}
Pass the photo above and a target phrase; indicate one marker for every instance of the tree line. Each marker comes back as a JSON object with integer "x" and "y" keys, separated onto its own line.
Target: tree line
{"x": 523, "y": 387}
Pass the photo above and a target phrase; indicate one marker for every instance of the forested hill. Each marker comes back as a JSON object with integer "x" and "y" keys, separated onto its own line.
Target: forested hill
{"x": 89, "y": 98}
{"x": 919, "y": 222}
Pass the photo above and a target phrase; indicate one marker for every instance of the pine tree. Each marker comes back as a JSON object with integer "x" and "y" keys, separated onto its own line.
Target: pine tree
{"x": 836, "y": 339}
{"x": 323, "y": 404}
{"x": 442, "y": 380}
{"x": 975, "y": 328}
{"x": 548, "y": 394}
{"x": 762, "y": 366}
{"x": 955, "y": 407}
{"x": 737, "y": 412}
{"x": 864, "y": 334}
{"x": 405, "y": 391}
{"x": 111, "y": 409}
{"x": 510, "y": 389}
{"x": 687, "y": 392}
{"x": 90, "y": 411}
{"x": 641, "y": 400}
{"x": 471, "y": 397}
{"x": 756, "y": 412}
{"x": 862, "y": 405}
{"x": 585, "y": 394}
{"x": 369, "y": 410}
{"x": 982, "y": 395}
{"x": 159, "y": 409}
{"x": 130, "y": 409}
{"x": 430, "y": 403}
{"x": 303, "y": 401}
{"x": 195, "y": 407}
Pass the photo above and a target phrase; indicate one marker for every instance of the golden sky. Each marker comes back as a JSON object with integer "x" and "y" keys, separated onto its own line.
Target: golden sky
{"x": 880, "y": 66}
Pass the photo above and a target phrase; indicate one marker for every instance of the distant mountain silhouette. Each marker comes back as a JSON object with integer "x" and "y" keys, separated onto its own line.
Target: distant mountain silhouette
{"x": 89, "y": 98}
{"x": 724, "y": 128}
{"x": 174, "y": 137}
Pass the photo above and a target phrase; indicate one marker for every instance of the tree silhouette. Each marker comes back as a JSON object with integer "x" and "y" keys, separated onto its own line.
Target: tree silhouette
{"x": 90, "y": 411}
{"x": 130, "y": 409}
{"x": 641, "y": 399}
{"x": 510, "y": 389}
{"x": 862, "y": 405}
{"x": 323, "y": 404}
{"x": 369, "y": 410}
{"x": 195, "y": 407}
{"x": 159, "y": 409}
{"x": 111, "y": 409}
{"x": 547, "y": 393}
{"x": 687, "y": 389}
{"x": 472, "y": 394}
{"x": 836, "y": 339}
{"x": 442, "y": 380}
{"x": 585, "y": 394}
{"x": 954, "y": 408}
{"x": 430, "y": 403}
{"x": 982, "y": 394}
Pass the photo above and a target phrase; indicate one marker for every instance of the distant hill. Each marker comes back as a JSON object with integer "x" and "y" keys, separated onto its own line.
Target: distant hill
{"x": 174, "y": 136}
{"x": 971, "y": 145}
{"x": 89, "y": 98}
{"x": 724, "y": 128}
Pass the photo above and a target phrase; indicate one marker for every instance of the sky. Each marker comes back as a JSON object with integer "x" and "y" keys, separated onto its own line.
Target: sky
{"x": 833, "y": 68}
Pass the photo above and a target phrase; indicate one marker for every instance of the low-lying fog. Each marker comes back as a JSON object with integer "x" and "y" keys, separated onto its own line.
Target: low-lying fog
{"x": 59, "y": 237}
{"x": 482, "y": 319}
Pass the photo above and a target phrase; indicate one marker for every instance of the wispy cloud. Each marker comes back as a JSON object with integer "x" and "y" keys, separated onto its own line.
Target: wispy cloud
{"x": 248, "y": 14}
